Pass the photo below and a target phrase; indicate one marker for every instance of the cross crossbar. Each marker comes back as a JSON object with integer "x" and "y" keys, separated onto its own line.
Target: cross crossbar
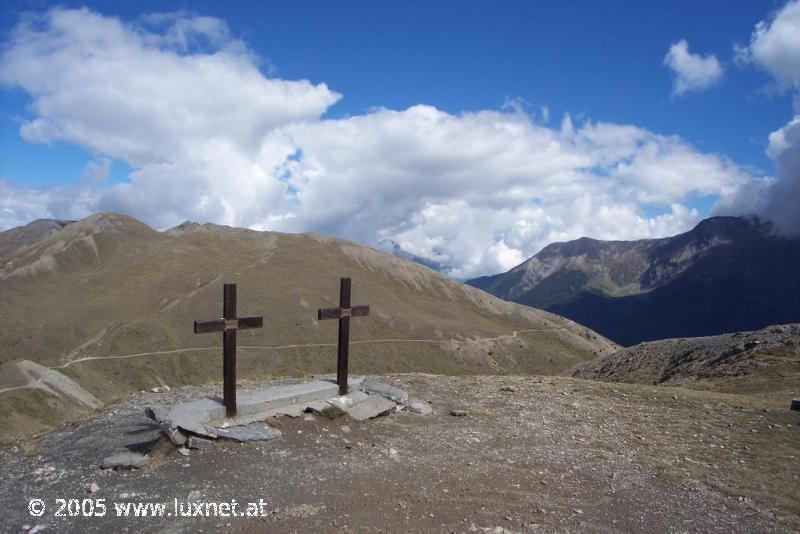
{"x": 228, "y": 324}
{"x": 338, "y": 313}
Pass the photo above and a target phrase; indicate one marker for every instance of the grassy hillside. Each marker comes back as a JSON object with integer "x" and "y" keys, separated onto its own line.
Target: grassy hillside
{"x": 113, "y": 289}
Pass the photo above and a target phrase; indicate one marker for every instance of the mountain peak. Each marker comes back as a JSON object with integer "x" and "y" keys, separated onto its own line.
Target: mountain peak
{"x": 739, "y": 274}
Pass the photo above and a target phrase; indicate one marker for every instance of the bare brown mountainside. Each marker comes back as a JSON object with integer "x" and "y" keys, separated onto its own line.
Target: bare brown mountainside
{"x": 728, "y": 274}
{"x": 22, "y": 237}
{"x": 763, "y": 363}
{"x": 111, "y": 288}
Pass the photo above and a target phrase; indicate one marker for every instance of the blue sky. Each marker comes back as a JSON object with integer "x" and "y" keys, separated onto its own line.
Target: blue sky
{"x": 599, "y": 62}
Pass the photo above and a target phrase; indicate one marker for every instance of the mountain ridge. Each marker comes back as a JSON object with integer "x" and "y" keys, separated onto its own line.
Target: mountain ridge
{"x": 629, "y": 290}
{"x": 109, "y": 302}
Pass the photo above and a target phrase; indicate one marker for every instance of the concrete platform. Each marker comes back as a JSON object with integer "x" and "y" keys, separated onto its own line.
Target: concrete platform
{"x": 279, "y": 396}
{"x": 206, "y": 417}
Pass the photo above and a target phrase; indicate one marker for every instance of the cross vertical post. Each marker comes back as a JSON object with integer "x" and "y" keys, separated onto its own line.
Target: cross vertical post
{"x": 229, "y": 350}
{"x": 343, "y": 352}
{"x": 343, "y": 313}
{"x": 229, "y": 324}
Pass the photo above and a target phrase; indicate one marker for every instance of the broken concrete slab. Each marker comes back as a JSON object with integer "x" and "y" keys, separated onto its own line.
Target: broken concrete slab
{"x": 206, "y": 417}
{"x": 346, "y": 401}
{"x": 125, "y": 460}
{"x": 418, "y": 406}
{"x": 292, "y": 410}
{"x": 193, "y": 442}
{"x": 278, "y": 396}
{"x": 251, "y": 432}
{"x": 193, "y": 417}
{"x": 175, "y": 436}
{"x": 374, "y": 406}
{"x": 370, "y": 385}
{"x": 156, "y": 412}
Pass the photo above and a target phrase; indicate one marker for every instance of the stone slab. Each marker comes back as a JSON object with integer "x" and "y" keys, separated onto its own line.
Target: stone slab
{"x": 193, "y": 442}
{"x": 374, "y": 406}
{"x": 175, "y": 435}
{"x": 370, "y": 385}
{"x": 198, "y": 417}
{"x": 291, "y": 410}
{"x": 277, "y": 396}
{"x": 156, "y": 412}
{"x": 251, "y": 432}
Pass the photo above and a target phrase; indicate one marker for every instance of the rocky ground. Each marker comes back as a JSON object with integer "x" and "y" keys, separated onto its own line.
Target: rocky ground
{"x": 533, "y": 454}
{"x": 766, "y": 362}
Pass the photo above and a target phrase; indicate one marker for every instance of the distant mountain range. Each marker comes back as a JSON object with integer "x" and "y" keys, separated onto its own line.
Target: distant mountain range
{"x": 727, "y": 274}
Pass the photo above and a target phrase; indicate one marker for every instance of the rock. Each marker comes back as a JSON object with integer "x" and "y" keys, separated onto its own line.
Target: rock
{"x": 193, "y": 442}
{"x": 418, "y": 406}
{"x": 509, "y": 389}
{"x": 251, "y": 432}
{"x": 125, "y": 460}
{"x": 183, "y": 451}
{"x": 796, "y": 404}
{"x": 374, "y": 406}
{"x": 175, "y": 436}
{"x": 93, "y": 487}
{"x": 194, "y": 495}
{"x": 459, "y": 413}
{"x": 385, "y": 390}
{"x": 198, "y": 429}
{"x": 37, "y": 528}
{"x": 156, "y": 412}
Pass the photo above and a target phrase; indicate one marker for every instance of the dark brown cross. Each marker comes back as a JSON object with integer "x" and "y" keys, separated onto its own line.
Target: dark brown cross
{"x": 228, "y": 325}
{"x": 343, "y": 313}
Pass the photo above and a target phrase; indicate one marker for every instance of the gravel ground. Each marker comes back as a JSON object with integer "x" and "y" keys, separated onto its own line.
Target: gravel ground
{"x": 534, "y": 454}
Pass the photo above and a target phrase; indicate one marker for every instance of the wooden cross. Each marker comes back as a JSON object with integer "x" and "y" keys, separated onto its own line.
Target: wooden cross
{"x": 343, "y": 313}
{"x": 228, "y": 325}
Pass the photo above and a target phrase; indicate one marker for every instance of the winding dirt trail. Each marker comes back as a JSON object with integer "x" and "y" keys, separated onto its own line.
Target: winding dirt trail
{"x": 513, "y": 335}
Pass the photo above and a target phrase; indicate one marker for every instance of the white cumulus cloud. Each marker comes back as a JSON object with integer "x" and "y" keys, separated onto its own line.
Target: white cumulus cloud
{"x": 209, "y": 137}
{"x": 693, "y": 72}
{"x": 775, "y": 47}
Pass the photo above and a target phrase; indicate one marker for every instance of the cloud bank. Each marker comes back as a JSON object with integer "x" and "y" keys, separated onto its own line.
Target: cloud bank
{"x": 775, "y": 47}
{"x": 693, "y": 72}
{"x": 210, "y": 137}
